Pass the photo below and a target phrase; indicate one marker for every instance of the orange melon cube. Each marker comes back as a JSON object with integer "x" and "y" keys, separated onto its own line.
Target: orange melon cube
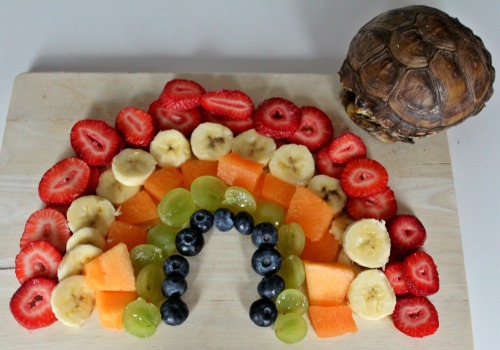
{"x": 327, "y": 283}
{"x": 110, "y": 306}
{"x": 121, "y": 232}
{"x": 111, "y": 271}
{"x": 194, "y": 168}
{"x": 324, "y": 250}
{"x": 276, "y": 190}
{"x": 310, "y": 212}
{"x": 160, "y": 182}
{"x": 139, "y": 209}
{"x": 332, "y": 321}
{"x": 235, "y": 170}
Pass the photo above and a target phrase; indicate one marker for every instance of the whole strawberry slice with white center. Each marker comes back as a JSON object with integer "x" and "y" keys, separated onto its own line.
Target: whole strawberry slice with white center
{"x": 277, "y": 117}
{"x": 64, "y": 182}
{"x": 415, "y": 316}
{"x": 380, "y": 206}
{"x": 46, "y": 225}
{"x": 181, "y": 94}
{"x": 30, "y": 304}
{"x": 346, "y": 147}
{"x": 182, "y": 121}
{"x": 420, "y": 273}
{"x": 407, "y": 234}
{"x": 394, "y": 273}
{"x": 363, "y": 177}
{"x": 325, "y": 166}
{"x": 231, "y": 104}
{"x": 95, "y": 142}
{"x": 136, "y": 126}
{"x": 315, "y": 129}
{"x": 37, "y": 259}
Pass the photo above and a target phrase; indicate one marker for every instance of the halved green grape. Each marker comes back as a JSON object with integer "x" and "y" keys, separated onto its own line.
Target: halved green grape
{"x": 176, "y": 207}
{"x": 290, "y": 328}
{"x": 163, "y": 236}
{"x": 291, "y": 239}
{"x": 145, "y": 254}
{"x": 269, "y": 212}
{"x": 208, "y": 192}
{"x": 239, "y": 199}
{"x": 293, "y": 272}
{"x": 141, "y": 318}
{"x": 292, "y": 301}
{"x": 148, "y": 284}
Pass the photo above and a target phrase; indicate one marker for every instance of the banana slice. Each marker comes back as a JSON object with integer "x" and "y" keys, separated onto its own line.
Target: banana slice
{"x": 116, "y": 192}
{"x": 86, "y": 235}
{"x": 292, "y": 163}
{"x": 342, "y": 258}
{"x": 371, "y": 296}
{"x": 254, "y": 146}
{"x": 329, "y": 189}
{"x": 91, "y": 211}
{"x": 72, "y": 301}
{"x": 74, "y": 259}
{"x": 339, "y": 224}
{"x": 367, "y": 243}
{"x": 132, "y": 167}
{"x": 210, "y": 141}
{"x": 170, "y": 148}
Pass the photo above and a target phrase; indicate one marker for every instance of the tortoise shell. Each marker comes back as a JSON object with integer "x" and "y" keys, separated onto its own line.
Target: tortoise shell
{"x": 415, "y": 71}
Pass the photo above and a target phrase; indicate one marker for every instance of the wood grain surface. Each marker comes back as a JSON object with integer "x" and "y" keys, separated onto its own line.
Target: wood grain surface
{"x": 222, "y": 285}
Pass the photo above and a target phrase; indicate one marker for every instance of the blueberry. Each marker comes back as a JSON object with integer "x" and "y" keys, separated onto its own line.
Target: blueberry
{"x": 174, "y": 311}
{"x": 174, "y": 285}
{"x": 266, "y": 260}
{"x": 176, "y": 263}
{"x": 270, "y": 287}
{"x": 264, "y": 233}
{"x": 263, "y": 312}
{"x": 224, "y": 219}
{"x": 243, "y": 223}
{"x": 202, "y": 220}
{"x": 189, "y": 242}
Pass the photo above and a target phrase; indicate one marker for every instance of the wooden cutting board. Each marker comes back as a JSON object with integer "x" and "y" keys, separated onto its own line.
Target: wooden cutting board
{"x": 222, "y": 285}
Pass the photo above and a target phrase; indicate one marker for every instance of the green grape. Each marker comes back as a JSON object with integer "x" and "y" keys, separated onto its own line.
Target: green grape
{"x": 145, "y": 254}
{"x": 291, "y": 239}
{"x": 141, "y": 318}
{"x": 163, "y": 236}
{"x": 239, "y": 199}
{"x": 208, "y": 192}
{"x": 148, "y": 283}
{"x": 292, "y": 301}
{"x": 269, "y": 212}
{"x": 176, "y": 207}
{"x": 292, "y": 271}
{"x": 290, "y": 328}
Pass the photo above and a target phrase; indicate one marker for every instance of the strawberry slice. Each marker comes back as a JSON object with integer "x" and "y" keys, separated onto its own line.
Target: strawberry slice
{"x": 30, "y": 304}
{"x": 64, "y": 182}
{"x": 394, "y": 273}
{"x": 95, "y": 142}
{"x": 181, "y": 94}
{"x": 325, "y": 165}
{"x": 136, "y": 126}
{"x": 346, "y": 147}
{"x": 183, "y": 121}
{"x": 415, "y": 316}
{"x": 381, "y": 206}
{"x": 277, "y": 118}
{"x": 236, "y": 126}
{"x": 363, "y": 177}
{"x": 37, "y": 259}
{"x": 420, "y": 274}
{"x": 407, "y": 234}
{"x": 315, "y": 129}
{"x": 46, "y": 225}
{"x": 95, "y": 174}
{"x": 230, "y": 104}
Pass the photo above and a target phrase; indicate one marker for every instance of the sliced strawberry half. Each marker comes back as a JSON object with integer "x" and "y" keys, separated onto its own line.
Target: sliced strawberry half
{"x": 64, "y": 182}
{"x": 315, "y": 129}
{"x": 236, "y": 126}
{"x": 407, "y": 234}
{"x": 277, "y": 118}
{"x": 346, "y": 147}
{"x": 394, "y": 273}
{"x": 136, "y": 126}
{"x": 415, "y": 316}
{"x": 95, "y": 142}
{"x": 420, "y": 274}
{"x": 230, "y": 104}
{"x": 181, "y": 94}
{"x": 325, "y": 165}
{"x": 37, "y": 259}
{"x": 30, "y": 304}
{"x": 183, "y": 121}
{"x": 46, "y": 225}
{"x": 381, "y": 206}
{"x": 95, "y": 174}
{"x": 363, "y": 177}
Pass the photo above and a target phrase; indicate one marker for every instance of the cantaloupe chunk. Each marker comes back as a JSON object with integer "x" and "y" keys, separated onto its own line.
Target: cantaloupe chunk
{"x": 121, "y": 232}
{"x": 324, "y": 250}
{"x": 110, "y": 306}
{"x": 276, "y": 190}
{"x": 235, "y": 170}
{"x": 332, "y": 321}
{"x": 163, "y": 180}
{"x": 310, "y": 212}
{"x": 194, "y": 168}
{"x": 327, "y": 283}
{"x": 139, "y": 209}
{"x": 111, "y": 271}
